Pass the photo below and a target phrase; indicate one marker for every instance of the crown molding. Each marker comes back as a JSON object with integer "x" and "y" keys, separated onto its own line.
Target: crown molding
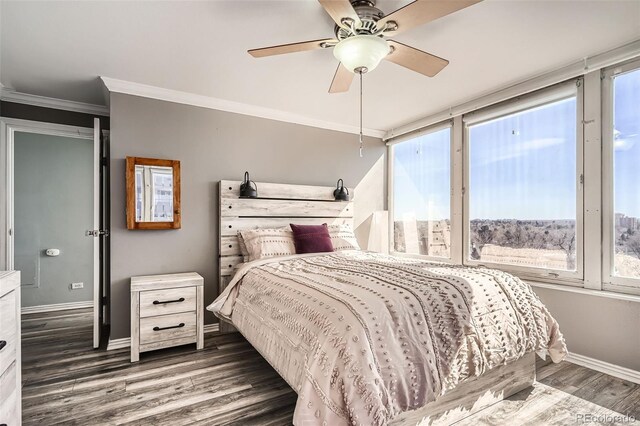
{"x": 186, "y": 98}
{"x": 9, "y": 95}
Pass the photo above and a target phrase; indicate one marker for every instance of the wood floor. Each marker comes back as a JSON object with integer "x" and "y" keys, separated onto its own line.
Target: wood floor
{"x": 66, "y": 382}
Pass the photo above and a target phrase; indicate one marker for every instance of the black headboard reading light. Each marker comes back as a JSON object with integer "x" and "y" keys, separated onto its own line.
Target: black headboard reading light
{"x": 247, "y": 190}
{"x": 341, "y": 193}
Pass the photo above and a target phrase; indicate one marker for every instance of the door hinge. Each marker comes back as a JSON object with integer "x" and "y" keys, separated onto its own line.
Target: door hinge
{"x": 103, "y": 161}
{"x": 581, "y": 179}
{"x": 96, "y": 233}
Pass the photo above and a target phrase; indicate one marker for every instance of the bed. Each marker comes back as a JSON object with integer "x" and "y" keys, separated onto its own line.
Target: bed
{"x": 370, "y": 339}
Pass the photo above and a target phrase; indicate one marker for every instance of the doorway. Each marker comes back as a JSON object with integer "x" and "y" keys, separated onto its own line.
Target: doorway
{"x": 52, "y": 208}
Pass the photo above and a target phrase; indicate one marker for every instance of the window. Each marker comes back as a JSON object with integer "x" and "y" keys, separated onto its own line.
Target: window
{"x": 522, "y": 187}
{"x": 422, "y": 194}
{"x": 544, "y": 185}
{"x": 623, "y": 135}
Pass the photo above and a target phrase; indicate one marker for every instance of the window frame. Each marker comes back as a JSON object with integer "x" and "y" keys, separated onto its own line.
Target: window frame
{"x": 595, "y": 225}
{"x": 453, "y": 246}
{"x": 536, "y": 99}
{"x": 610, "y": 281}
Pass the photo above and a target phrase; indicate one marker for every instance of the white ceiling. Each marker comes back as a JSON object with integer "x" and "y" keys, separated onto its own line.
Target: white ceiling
{"x": 58, "y": 49}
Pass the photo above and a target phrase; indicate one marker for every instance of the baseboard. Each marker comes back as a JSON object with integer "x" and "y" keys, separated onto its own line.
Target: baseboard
{"x": 605, "y": 367}
{"x": 211, "y": 328}
{"x": 125, "y": 342}
{"x": 56, "y": 307}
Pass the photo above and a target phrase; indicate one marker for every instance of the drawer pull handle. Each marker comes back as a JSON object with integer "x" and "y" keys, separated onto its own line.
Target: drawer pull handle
{"x": 167, "y": 328}
{"x": 157, "y": 302}
{"x": 3, "y": 343}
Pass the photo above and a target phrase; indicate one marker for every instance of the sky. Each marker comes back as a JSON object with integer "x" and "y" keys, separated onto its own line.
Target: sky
{"x": 421, "y": 177}
{"x": 522, "y": 166}
{"x": 626, "y": 122}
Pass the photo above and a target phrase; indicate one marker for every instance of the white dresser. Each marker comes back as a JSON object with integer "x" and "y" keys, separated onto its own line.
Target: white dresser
{"x": 166, "y": 310}
{"x": 10, "y": 378}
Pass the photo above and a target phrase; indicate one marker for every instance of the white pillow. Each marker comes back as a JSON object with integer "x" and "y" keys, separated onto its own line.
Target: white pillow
{"x": 343, "y": 238}
{"x": 262, "y": 243}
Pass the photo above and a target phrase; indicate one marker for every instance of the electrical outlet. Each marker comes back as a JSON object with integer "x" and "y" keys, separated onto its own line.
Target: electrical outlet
{"x": 76, "y": 286}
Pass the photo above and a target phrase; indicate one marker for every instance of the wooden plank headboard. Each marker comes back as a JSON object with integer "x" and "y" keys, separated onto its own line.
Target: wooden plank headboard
{"x": 278, "y": 205}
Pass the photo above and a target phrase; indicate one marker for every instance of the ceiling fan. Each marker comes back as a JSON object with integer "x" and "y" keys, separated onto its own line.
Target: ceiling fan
{"x": 361, "y": 32}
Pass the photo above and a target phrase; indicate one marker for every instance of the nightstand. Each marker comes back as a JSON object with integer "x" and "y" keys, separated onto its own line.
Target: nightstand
{"x": 166, "y": 310}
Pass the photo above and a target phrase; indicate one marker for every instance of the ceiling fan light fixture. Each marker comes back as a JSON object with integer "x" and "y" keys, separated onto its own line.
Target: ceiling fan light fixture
{"x": 361, "y": 52}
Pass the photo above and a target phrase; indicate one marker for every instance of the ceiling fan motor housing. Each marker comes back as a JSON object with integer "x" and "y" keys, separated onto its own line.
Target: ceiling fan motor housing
{"x": 368, "y": 13}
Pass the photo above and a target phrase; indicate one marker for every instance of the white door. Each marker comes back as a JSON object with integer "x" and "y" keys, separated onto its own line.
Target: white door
{"x": 96, "y": 233}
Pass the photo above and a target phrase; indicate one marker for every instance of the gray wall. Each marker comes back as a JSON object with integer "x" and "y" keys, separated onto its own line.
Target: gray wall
{"x": 211, "y": 146}
{"x": 598, "y": 327}
{"x": 53, "y": 207}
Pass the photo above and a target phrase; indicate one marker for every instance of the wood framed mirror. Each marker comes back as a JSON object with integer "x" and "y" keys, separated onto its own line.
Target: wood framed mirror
{"x": 153, "y": 193}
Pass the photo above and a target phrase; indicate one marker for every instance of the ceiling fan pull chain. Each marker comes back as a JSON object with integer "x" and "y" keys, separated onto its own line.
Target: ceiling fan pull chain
{"x": 360, "y": 114}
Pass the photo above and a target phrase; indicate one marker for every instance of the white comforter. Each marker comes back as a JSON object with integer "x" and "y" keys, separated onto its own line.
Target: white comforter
{"x": 362, "y": 337}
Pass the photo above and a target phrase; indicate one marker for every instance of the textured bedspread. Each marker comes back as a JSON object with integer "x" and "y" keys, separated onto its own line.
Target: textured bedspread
{"x": 362, "y": 337}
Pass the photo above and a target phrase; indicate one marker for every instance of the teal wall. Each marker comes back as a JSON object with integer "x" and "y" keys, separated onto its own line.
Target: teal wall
{"x": 53, "y": 190}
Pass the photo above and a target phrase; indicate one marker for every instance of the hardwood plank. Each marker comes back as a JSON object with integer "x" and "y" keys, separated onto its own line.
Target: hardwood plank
{"x": 630, "y": 405}
{"x": 186, "y": 373}
{"x": 571, "y": 377}
{"x": 229, "y": 383}
{"x": 224, "y": 407}
{"x": 606, "y": 392}
{"x": 33, "y": 407}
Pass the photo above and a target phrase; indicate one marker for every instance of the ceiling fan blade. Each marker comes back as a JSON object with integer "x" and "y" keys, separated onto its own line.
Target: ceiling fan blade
{"x": 339, "y": 9}
{"x": 420, "y": 12}
{"x": 290, "y": 48}
{"x": 341, "y": 80}
{"x": 416, "y": 60}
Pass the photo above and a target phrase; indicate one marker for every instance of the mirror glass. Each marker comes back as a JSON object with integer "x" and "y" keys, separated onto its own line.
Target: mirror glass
{"x": 154, "y": 193}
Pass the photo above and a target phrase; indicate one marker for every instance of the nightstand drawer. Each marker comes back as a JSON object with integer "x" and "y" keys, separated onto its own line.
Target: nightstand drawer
{"x": 167, "y": 301}
{"x": 8, "y": 330}
{"x": 168, "y": 327}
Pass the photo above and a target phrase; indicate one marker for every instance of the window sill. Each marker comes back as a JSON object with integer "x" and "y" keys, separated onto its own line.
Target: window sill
{"x": 589, "y": 292}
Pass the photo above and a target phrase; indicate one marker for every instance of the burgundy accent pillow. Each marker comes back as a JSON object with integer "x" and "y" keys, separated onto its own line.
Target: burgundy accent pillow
{"x": 311, "y": 238}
